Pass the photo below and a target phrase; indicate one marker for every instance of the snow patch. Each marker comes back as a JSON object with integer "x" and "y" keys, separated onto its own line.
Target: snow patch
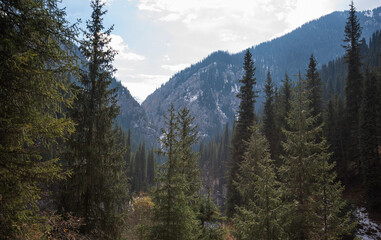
{"x": 222, "y": 114}
{"x": 368, "y": 229}
{"x": 235, "y": 89}
{"x": 369, "y": 13}
{"x": 194, "y": 97}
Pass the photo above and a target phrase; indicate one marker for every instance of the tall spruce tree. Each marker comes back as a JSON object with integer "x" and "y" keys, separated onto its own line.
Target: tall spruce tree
{"x": 312, "y": 198}
{"x": 97, "y": 189}
{"x": 282, "y": 105}
{"x": 173, "y": 217}
{"x": 315, "y": 89}
{"x": 353, "y": 87}
{"x": 188, "y": 158}
{"x": 269, "y": 127}
{"x": 36, "y": 60}
{"x": 246, "y": 118}
{"x": 259, "y": 217}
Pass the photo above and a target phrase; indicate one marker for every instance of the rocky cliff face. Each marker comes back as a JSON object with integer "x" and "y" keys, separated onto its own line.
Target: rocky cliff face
{"x": 209, "y": 87}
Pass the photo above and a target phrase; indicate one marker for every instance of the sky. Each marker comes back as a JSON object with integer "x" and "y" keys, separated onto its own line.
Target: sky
{"x": 157, "y": 38}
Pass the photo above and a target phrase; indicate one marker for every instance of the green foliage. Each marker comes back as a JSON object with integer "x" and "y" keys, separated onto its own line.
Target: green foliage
{"x": 142, "y": 170}
{"x": 269, "y": 120}
{"x": 312, "y": 197}
{"x": 214, "y": 156}
{"x": 282, "y": 105}
{"x": 259, "y": 217}
{"x": 315, "y": 89}
{"x": 97, "y": 189}
{"x": 369, "y": 147}
{"x": 353, "y": 87}
{"x": 189, "y": 167}
{"x": 36, "y": 59}
{"x": 334, "y": 133}
{"x": 173, "y": 214}
{"x": 211, "y": 219}
{"x": 246, "y": 118}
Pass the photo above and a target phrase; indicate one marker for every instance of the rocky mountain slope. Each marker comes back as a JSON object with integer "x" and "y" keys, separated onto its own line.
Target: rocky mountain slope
{"x": 133, "y": 117}
{"x": 209, "y": 87}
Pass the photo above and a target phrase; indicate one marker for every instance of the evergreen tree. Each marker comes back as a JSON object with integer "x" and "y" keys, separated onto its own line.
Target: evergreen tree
{"x": 313, "y": 200}
{"x": 282, "y": 105}
{"x": 188, "y": 158}
{"x": 97, "y": 189}
{"x": 128, "y": 151}
{"x": 354, "y": 82}
{"x": 285, "y": 94}
{"x": 370, "y": 156}
{"x": 139, "y": 171}
{"x": 36, "y": 60}
{"x": 246, "y": 118}
{"x": 259, "y": 218}
{"x": 173, "y": 217}
{"x": 269, "y": 128}
{"x": 151, "y": 165}
{"x": 315, "y": 89}
{"x": 211, "y": 219}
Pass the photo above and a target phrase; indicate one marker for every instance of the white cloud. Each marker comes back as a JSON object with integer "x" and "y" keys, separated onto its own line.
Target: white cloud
{"x": 107, "y": 2}
{"x": 170, "y": 17}
{"x": 124, "y": 53}
{"x": 166, "y": 58}
{"x": 141, "y": 85}
{"x": 175, "y": 68}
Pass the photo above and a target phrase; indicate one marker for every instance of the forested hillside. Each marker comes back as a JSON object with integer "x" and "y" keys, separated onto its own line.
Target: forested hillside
{"x": 280, "y": 141}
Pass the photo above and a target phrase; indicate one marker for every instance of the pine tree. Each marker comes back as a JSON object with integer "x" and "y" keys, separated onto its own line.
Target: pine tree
{"x": 315, "y": 89}
{"x": 97, "y": 189}
{"x": 259, "y": 217}
{"x": 354, "y": 82}
{"x": 173, "y": 217}
{"x": 313, "y": 200}
{"x": 269, "y": 128}
{"x": 36, "y": 60}
{"x": 246, "y": 118}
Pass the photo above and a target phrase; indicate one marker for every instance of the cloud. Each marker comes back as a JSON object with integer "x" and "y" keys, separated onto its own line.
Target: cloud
{"x": 166, "y": 58}
{"x": 232, "y": 25}
{"x": 141, "y": 85}
{"x": 175, "y": 68}
{"x": 170, "y": 17}
{"x": 124, "y": 53}
{"x": 107, "y": 2}
{"x": 211, "y": 25}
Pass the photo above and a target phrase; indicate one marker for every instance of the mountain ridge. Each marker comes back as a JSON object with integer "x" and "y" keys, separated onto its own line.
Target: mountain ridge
{"x": 208, "y": 88}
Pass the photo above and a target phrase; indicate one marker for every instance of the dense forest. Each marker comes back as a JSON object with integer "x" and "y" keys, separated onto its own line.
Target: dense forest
{"x": 298, "y": 169}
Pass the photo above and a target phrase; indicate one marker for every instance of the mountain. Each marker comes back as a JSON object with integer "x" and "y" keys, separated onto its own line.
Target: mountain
{"x": 133, "y": 117}
{"x": 209, "y": 87}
